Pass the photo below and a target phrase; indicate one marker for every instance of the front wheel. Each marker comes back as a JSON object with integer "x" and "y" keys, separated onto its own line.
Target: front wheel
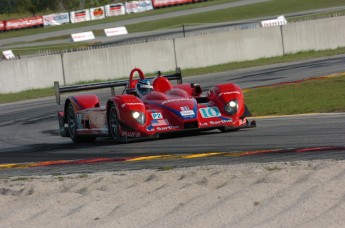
{"x": 228, "y": 129}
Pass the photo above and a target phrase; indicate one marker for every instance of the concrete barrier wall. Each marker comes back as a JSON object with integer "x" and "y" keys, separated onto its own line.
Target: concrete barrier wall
{"x": 116, "y": 62}
{"x": 314, "y": 35}
{"x": 24, "y": 74}
{"x": 190, "y": 52}
{"x": 233, "y": 46}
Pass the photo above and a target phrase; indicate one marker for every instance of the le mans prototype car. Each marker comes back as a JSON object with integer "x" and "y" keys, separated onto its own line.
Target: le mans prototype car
{"x": 149, "y": 107}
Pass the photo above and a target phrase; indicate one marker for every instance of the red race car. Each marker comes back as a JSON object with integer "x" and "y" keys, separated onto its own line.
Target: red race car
{"x": 149, "y": 107}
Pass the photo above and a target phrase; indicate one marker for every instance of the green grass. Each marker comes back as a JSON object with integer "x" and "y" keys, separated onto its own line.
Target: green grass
{"x": 311, "y": 96}
{"x": 25, "y": 95}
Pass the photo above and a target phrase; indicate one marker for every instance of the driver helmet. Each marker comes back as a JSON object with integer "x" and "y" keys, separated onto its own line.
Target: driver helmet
{"x": 143, "y": 87}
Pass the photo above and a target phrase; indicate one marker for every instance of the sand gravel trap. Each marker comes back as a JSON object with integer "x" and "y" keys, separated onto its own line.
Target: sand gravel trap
{"x": 294, "y": 194}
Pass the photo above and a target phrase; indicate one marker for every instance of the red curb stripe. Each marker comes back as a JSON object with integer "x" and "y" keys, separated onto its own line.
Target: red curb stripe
{"x": 315, "y": 149}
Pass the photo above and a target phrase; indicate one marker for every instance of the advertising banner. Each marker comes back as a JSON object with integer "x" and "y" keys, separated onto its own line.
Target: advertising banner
{"x": 55, "y": 19}
{"x": 275, "y": 22}
{"x": 97, "y": 13}
{"x": 163, "y": 3}
{"x": 80, "y": 16}
{"x": 115, "y": 10}
{"x": 132, "y": 7}
{"x": 145, "y": 5}
{"x": 83, "y": 36}
{"x": 24, "y": 23}
{"x": 138, "y": 6}
{"x": 2, "y": 26}
{"x": 8, "y": 54}
{"x": 115, "y": 31}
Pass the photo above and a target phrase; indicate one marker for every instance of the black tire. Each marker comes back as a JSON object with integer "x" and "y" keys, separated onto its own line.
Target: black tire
{"x": 228, "y": 129}
{"x": 72, "y": 126}
{"x": 113, "y": 124}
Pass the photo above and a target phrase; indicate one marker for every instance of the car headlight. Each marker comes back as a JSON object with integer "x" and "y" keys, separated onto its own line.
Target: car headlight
{"x": 139, "y": 117}
{"x": 231, "y": 107}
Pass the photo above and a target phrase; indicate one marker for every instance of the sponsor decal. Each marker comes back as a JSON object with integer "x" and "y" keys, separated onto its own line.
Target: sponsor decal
{"x": 150, "y": 128}
{"x": 203, "y": 124}
{"x": 167, "y": 128}
{"x": 131, "y": 134}
{"x": 220, "y": 122}
{"x": 187, "y": 113}
{"x": 209, "y": 112}
{"x": 160, "y": 122}
{"x": 157, "y": 116}
{"x": 226, "y": 93}
{"x": 217, "y": 122}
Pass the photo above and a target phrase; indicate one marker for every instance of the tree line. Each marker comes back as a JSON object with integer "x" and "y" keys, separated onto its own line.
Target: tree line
{"x": 35, "y": 6}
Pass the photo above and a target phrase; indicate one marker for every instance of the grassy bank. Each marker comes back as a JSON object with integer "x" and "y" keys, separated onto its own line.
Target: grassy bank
{"x": 313, "y": 96}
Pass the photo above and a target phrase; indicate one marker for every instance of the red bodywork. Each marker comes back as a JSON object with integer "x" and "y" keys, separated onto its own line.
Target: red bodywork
{"x": 168, "y": 108}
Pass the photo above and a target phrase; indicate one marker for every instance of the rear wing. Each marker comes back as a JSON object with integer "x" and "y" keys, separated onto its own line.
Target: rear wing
{"x": 111, "y": 84}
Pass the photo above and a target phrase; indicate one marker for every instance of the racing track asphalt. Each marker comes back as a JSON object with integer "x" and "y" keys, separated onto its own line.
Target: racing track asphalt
{"x": 28, "y": 130}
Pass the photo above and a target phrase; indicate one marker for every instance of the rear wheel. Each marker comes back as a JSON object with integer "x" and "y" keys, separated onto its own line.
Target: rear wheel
{"x": 72, "y": 127}
{"x": 114, "y": 124}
